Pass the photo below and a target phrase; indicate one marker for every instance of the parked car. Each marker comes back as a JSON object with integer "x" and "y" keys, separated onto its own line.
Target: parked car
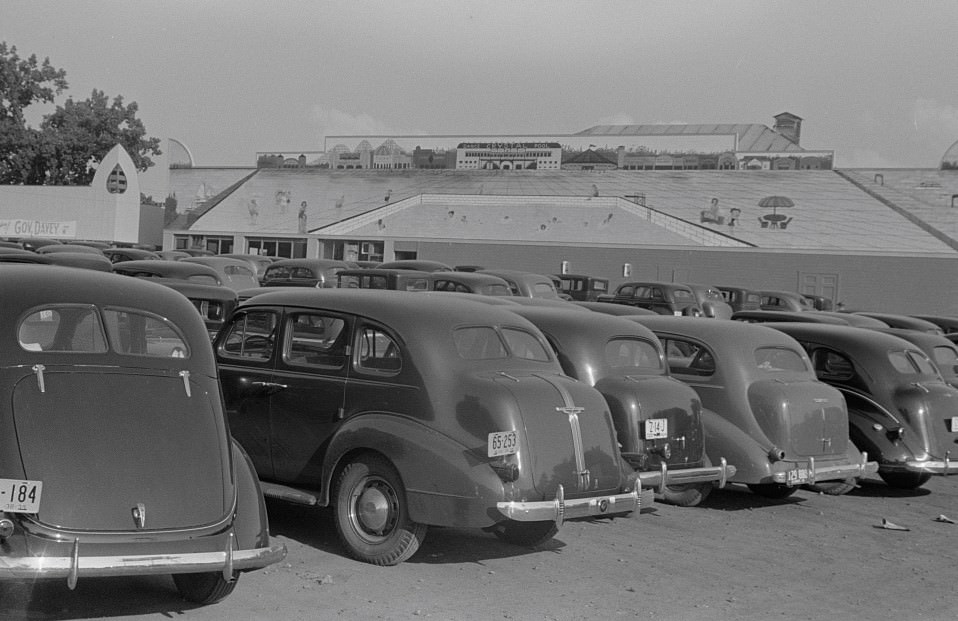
{"x": 74, "y": 248}
{"x": 173, "y": 255}
{"x": 214, "y": 303}
{"x": 84, "y": 260}
{"x": 303, "y": 273}
{"x": 420, "y": 265}
{"x": 942, "y": 351}
{"x": 853, "y": 319}
{"x": 784, "y": 301}
{"x": 741, "y": 298}
{"x": 115, "y": 457}
{"x": 609, "y": 308}
{"x": 159, "y": 268}
{"x": 903, "y": 321}
{"x": 34, "y": 243}
{"x": 765, "y": 411}
{"x": 469, "y": 282}
{"x": 377, "y": 278}
{"x": 20, "y": 255}
{"x": 819, "y": 302}
{"x": 402, "y": 410}
{"x": 711, "y": 301}
{"x": 526, "y": 284}
{"x": 664, "y": 298}
{"x": 582, "y": 287}
{"x": 900, "y": 409}
{"x": 658, "y": 419}
{"x": 257, "y": 262}
{"x": 774, "y": 316}
{"x": 947, "y": 323}
{"x": 235, "y": 274}
{"x": 118, "y": 255}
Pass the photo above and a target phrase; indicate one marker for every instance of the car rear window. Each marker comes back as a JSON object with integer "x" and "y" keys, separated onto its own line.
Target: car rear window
{"x": 632, "y": 353}
{"x": 479, "y": 343}
{"x": 524, "y": 345}
{"x": 779, "y": 359}
{"x": 911, "y": 363}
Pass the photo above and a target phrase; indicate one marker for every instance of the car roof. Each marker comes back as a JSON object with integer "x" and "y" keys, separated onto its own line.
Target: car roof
{"x": 723, "y": 332}
{"x": 320, "y": 263}
{"x": 858, "y": 341}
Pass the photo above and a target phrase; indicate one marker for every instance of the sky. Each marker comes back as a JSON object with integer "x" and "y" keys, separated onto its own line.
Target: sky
{"x": 872, "y": 80}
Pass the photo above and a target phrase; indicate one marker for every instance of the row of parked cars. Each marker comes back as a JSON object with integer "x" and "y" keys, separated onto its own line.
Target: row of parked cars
{"x": 401, "y": 410}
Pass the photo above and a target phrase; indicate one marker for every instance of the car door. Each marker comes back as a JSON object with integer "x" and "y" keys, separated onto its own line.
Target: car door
{"x": 310, "y": 373}
{"x": 245, "y": 352}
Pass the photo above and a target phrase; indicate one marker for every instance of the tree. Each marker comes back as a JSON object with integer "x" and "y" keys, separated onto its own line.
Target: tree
{"x": 71, "y": 140}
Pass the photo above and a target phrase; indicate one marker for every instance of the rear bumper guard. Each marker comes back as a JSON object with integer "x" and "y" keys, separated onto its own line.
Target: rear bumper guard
{"x": 74, "y": 566}
{"x": 664, "y": 477}
{"x": 933, "y": 466}
{"x": 817, "y": 474}
{"x": 560, "y": 509}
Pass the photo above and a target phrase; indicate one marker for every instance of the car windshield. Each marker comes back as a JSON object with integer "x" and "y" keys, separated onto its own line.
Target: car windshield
{"x": 632, "y": 353}
{"x": 779, "y": 359}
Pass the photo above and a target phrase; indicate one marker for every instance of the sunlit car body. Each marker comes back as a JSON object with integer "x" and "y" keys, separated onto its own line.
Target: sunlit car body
{"x": 383, "y": 278}
{"x": 741, "y": 298}
{"x": 235, "y": 274}
{"x": 664, "y": 298}
{"x": 84, "y": 260}
{"x": 402, "y": 410}
{"x": 711, "y": 301}
{"x": 75, "y": 248}
{"x": 902, "y": 321}
{"x": 784, "y": 301}
{"x": 469, "y": 282}
{"x": 159, "y": 268}
{"x": 526, "y": 284}
{"x": 115, "y": 457}
{"x": 900, "y": 409}
{"x": 303, "y": 273}
{"x": 770, "y": 416}
{"x": 658, "y": 419}
{"x": 582, "y": 287}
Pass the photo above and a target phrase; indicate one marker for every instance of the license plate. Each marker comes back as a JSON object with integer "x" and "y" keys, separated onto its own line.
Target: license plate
{"x": 954, "y": 424}
{"x": 656, "y": 428}
{"x": 503, "y": 443}
{"x": 20, "y": 496}
{"x": 796, "y": 476}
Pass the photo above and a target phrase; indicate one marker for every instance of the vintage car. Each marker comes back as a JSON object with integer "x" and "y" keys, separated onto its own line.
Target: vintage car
{"x": 902, "y": 321}
{"x": 421, "y": 265}
{"x": 526, "y": 284}
{"x": 582, "y": 287}
{"x": 658, "y": 419}
{"x": 118, "y": 255}
{"x": 172, "y": 255}
{"x": 609, "y": 308}
{"x": 115, "y": 457}
{"x": 741, "y": 298}
{"x": 942, "y": 352}
{"x": 379, "y": 278}
{"x": 819, "y": 302}
{"x": 774, "y": 316}
{"x": 76, "y": 248}
{"x": 948, "y": 324}
{"x": 775, "y": 300}
{"x": 257, "y": 262}
{"x": 900, "y": 409}
{"x": 665, "y": 298}
{"x": 85, "y": 260}
{"x": 402, "y": 410}
{"x": 469, "y": 282}
{"x": 711, "y": 301}
{"x": 235, "y": 274}
{"x": 765, "y": 411}
{"x": 19, "y": 255}
{"x": 159, "y": 268}
{"x": 214, "y": 303}
{"x": 303, "y": 273}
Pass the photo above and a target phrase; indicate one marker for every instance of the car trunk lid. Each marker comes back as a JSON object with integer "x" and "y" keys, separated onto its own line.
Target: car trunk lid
{"x": 805, "y": 418}
{"x": 143, "y": 451}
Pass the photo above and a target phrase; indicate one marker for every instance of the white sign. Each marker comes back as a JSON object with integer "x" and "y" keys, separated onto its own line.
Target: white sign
{"x": 37, "y": 228}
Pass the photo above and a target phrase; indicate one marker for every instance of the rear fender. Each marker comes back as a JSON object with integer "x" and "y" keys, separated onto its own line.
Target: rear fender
{"x": 870, "y": 428}
{"x": 250, "y": 522}
{"x": 446, "y": 483}
{"x": 740, "y": 449}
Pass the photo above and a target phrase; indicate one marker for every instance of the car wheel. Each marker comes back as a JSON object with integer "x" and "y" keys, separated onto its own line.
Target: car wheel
{"x": 204, "y": 588}
{"x": 833, "y": 488}
{"x": 905, "y": 480}
{"x": 526, "y": 534}
{"x": 772, "y": 490}
{"x": 372, "y": 517}
{"x": 686, "y": 495}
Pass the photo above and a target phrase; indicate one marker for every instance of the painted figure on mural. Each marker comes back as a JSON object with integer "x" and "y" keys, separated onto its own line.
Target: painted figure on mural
{"x": 713, "y": 213}
{"x": 733, "y": 216}
{"x": 253, "y": 210}
{"x": 302, "y": 217}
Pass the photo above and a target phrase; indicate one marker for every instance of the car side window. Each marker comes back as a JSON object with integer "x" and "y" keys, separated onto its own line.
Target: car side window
{"x": 316, "y": 340}
{"x": 250, "y": 336}
{"x": 66, "y": 328}
{"x": 831, "y": 365}
{"x": 688, "y": 358}
{"x": 377, "y": 352}
{"x": 625, "y": 291}
{"x": 524, "y": 345}
{"x": 140, "y": 334}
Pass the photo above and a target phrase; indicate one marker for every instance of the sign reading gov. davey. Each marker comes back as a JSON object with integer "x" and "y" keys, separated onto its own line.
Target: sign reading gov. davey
{"x": 37, "y": 228}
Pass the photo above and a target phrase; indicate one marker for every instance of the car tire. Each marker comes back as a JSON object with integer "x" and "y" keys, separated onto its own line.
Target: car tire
{"x": 204, "y": 588}
{"x": 688, "y": 495}
{"x": 905, "y": 480}
{"x": 372, "y": 517}
{"x": 772, "y": 490}
{"x": 526, "y": 534}
{"x": 833, "y": 488}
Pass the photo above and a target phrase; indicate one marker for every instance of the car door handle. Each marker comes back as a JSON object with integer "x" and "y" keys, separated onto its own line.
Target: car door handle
{"x": 268, "y": 388}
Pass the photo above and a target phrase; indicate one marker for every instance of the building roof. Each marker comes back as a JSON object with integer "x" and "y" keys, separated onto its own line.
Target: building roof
{"x": 589, "y": 156}
{"x": 749, "y": 137}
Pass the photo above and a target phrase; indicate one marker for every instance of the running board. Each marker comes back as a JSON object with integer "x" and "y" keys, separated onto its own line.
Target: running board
{"x": 289, "y": 494}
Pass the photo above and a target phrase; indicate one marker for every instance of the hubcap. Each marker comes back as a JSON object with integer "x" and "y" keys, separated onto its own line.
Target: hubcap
{"x": 374, "y": 507}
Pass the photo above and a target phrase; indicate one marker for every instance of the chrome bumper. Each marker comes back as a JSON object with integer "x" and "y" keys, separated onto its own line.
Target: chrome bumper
{"x": 560, "y": 509}
{"x": 72, "y": 567}
{"x": 817, "y": 474}
{"x": 934, "y": 466}
{"x": 662, "y": 478}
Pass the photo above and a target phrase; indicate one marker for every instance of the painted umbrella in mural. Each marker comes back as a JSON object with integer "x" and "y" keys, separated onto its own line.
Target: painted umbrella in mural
{"x": 776, "y": 202}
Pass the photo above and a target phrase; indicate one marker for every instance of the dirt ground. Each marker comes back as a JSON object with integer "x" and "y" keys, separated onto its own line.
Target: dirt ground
{"x": 736, "y": 557}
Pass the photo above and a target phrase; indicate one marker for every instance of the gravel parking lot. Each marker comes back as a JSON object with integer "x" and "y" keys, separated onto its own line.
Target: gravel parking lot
{"x": 737, "y": 556}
